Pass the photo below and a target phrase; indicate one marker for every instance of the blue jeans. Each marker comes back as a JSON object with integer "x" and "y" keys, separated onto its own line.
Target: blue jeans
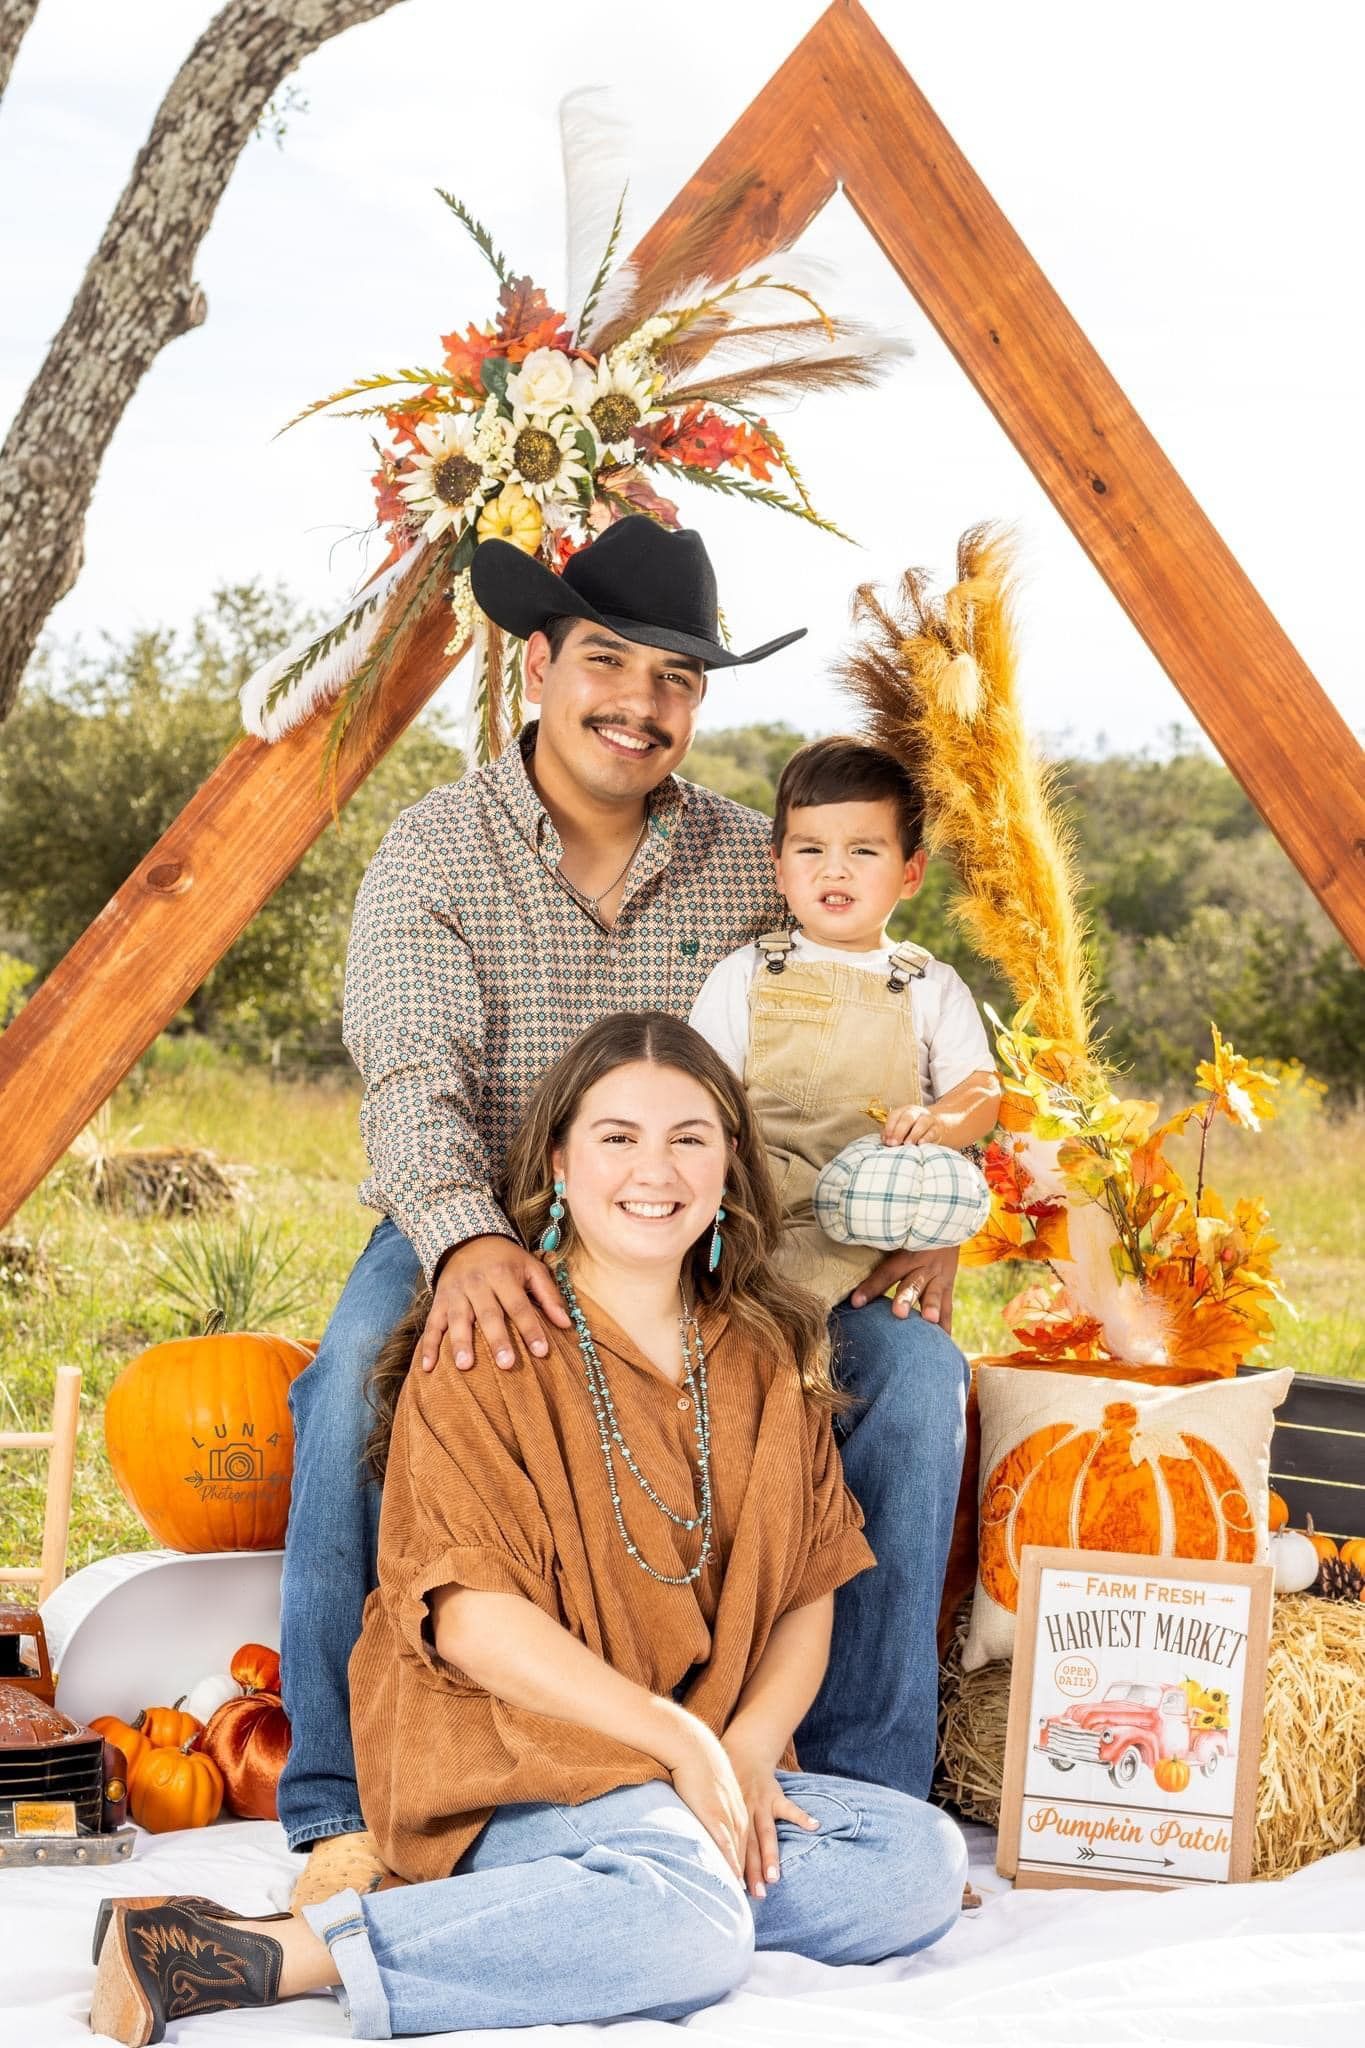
{"x": 624, "y": 1905}
{"x": 875, "y": 1717}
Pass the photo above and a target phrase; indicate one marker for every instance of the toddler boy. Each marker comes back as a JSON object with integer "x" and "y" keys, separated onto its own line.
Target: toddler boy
{"x": 834, "y": 1030}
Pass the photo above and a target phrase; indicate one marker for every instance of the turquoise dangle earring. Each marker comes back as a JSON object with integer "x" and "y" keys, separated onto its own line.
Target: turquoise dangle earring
{"x": 549, "y": 1240}
{"x": 717, "y": 1241}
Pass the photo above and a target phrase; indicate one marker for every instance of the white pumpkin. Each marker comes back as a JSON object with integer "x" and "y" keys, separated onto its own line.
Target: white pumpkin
{"x": 1295, "y": 1560}
{"x": 203, "y": 1700}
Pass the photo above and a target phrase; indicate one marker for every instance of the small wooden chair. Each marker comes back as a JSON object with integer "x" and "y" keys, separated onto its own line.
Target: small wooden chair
{"x": 60, "y": 1443}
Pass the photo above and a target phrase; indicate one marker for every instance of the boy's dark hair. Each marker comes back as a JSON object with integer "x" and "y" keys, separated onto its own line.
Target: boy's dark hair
{"x": 844, "y": 770}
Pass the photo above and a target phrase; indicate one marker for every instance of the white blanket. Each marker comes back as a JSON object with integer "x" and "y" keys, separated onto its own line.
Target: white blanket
{"x": 1276, "y": 1964}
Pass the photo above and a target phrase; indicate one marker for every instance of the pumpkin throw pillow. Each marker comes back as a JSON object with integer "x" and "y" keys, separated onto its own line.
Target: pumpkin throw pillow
{"x": 1105, "y": 1464}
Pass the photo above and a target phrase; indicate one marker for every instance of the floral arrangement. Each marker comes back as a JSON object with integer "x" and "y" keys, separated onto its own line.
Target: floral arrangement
{"x": 1145, "y": 1270}
{"x": 541, "y": 426}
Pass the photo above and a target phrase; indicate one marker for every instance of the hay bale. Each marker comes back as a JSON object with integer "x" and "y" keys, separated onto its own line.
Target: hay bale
{"x": 155, "y": 1180}
{"x": 1310, "y": 1800}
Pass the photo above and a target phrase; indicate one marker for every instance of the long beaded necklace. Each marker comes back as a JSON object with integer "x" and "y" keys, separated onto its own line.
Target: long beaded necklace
{"x": 609, "y": 1434}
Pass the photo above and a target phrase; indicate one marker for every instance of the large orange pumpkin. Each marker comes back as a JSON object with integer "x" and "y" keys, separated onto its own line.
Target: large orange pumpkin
{"x": 1171, "y": 1774}
{"x": 1082, "y": 1488}
{"x": 201, "y": 1442}
{"x": 248, "y": 1739}
{"x": 173, "y": 1788}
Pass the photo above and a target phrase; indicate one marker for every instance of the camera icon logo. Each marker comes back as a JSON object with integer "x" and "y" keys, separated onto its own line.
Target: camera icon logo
{"x": 236, "y": 1462}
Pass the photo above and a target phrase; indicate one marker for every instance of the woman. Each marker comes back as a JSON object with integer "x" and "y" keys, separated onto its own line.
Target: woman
{"x": 605, "y": 1598}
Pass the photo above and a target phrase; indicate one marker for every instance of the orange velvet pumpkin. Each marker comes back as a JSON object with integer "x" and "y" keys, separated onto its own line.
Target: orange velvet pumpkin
{"x": 1171, "y": 1774}
{"x": 1278, "y": 1512}
{"x": 131, "y": 1741}
{"x": 175, "y": 1788}
{"x": 167, "y": 1727}
{"x": 201, "y": 1442}
{"x": 1081, "y": 1488}
{"x": 256, "y": 1668}
{"x": 248, "y": 1739}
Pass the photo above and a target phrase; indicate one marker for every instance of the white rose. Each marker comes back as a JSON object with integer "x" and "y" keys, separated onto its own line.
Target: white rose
{"x": 543, "y": 384}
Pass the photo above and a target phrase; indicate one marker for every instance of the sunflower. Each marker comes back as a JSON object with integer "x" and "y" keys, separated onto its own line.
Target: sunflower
{"x": 615, "y": 398}
{"x": 450, "y": 478}
{"x": 512, "y": 516}
{"x": 544, "y": 456}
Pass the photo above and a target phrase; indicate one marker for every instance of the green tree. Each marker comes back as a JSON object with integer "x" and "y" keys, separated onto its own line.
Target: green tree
{"x": 101, "y": 756}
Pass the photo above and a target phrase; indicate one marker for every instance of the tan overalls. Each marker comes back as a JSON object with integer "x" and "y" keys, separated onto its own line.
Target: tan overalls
{"x": 826, "y": 1041}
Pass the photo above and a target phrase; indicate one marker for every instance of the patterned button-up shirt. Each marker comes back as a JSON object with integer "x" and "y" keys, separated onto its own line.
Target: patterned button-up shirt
{"x": 471, "y": 967}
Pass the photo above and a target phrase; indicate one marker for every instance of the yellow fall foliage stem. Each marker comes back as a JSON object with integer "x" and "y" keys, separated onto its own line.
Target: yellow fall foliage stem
{"x": 937, "y": 677}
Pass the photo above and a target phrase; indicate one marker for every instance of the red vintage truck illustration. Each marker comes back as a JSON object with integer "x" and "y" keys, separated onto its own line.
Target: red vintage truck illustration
{"x": 1138, "y": 1723}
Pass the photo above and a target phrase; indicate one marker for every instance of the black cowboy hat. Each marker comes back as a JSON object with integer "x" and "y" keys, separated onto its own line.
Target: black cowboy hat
{"x": 638, "y": 579}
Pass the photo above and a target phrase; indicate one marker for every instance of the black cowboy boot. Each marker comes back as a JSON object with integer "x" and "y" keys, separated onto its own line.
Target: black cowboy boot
{"x": 168, "y": 1961}
{"x": 108, "y": 1907}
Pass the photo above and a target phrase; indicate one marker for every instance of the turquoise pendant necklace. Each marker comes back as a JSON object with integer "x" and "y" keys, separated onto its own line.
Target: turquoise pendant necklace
{"x": 612, "y": 1440}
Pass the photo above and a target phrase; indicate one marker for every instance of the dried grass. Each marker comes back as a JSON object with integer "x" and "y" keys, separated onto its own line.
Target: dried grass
{"x": 1310, "y": 1800}
{"x": 155, "y": 1180}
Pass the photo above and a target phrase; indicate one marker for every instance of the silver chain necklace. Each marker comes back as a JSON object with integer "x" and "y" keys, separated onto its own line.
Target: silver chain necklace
{"x": 609, "y": 1434}
{"x": 590, "y": 903}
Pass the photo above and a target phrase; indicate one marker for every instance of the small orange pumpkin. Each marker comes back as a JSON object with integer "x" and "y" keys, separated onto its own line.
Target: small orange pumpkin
{"x": 1279, "y": 1511}
{"x": 167, "y": 1727}
{"x": 201, "y": 1441}
{"x": 1353, "y": 1552}
{"x": 1324, "y": 1545}
{"x": 1172, "y": 1774}
{"x": 256, "y": 1668}
{"x": 175, "y": 1788}
{"x": 131, "y": 1741}
{"x": 248, "y": 1739}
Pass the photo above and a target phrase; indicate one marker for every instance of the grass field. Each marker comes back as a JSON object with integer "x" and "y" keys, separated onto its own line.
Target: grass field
{"x": 298, "y": 1151}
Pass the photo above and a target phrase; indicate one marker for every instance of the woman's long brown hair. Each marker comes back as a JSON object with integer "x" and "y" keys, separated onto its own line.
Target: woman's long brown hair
{"x": 773, "y": 1310}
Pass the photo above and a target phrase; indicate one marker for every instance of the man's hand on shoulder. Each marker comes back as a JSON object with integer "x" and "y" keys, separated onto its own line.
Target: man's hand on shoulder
{"x": 491, "y": 1282}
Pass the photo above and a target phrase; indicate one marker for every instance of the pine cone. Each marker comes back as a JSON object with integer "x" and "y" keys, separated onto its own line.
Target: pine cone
{"x": 1330, "y": 1582}
{"x": 1352, "y": 1581}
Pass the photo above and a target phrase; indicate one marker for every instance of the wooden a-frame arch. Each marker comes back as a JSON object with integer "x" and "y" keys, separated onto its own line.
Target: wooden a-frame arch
{"x": 841, "y": 113}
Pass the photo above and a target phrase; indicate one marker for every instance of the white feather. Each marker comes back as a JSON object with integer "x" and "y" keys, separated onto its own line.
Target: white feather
{"x": 327, "y": 677}
{"x": 1135, "y": 1326}
{"x": 595, "y": 141}
{"x": 617, "y": 293}
{"x": 811, "y": 273}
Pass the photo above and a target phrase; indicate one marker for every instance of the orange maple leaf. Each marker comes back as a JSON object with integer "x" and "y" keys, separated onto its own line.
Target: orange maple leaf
{"x": 466, "y": 354}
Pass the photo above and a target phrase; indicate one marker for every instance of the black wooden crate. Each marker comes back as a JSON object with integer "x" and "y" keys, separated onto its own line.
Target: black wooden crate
{"x": 1317, "y": 1454}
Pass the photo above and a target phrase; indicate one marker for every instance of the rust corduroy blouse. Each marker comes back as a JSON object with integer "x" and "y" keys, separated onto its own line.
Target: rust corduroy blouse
{"x": 496, "y": 1482}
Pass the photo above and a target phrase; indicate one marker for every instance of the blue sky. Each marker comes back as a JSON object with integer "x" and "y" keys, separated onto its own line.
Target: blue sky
{"x": 1187, "y": 176}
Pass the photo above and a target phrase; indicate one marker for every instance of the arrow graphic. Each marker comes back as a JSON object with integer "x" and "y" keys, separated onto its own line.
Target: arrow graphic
{"x": 1087, "y": 1855}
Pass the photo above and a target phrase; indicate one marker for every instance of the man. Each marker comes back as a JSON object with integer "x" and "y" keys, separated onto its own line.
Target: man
{"x": 574, "y": 877}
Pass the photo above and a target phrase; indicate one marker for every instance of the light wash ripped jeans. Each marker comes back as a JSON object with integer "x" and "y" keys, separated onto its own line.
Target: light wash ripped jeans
{"x": 624, "y": 1906}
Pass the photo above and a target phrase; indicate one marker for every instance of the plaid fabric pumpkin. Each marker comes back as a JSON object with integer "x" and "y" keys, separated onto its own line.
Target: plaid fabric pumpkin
{"x": 919, "y": 1197}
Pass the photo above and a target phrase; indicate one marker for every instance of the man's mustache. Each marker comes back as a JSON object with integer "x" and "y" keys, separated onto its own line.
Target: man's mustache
{"x": 647, "y": 731}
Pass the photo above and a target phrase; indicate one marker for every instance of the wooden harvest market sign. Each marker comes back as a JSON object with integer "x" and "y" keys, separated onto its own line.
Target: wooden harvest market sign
{"x": 841, "y": 114}
{"x": 1135, "y": 1714}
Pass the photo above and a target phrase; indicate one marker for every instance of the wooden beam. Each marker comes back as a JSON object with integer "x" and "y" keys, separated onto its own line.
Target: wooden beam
{"x": 1165, "y": 562}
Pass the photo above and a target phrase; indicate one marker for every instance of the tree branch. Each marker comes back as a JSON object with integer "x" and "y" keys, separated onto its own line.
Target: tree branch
{"x": 15, "y": 16}
{"x": 137, "y": 294}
